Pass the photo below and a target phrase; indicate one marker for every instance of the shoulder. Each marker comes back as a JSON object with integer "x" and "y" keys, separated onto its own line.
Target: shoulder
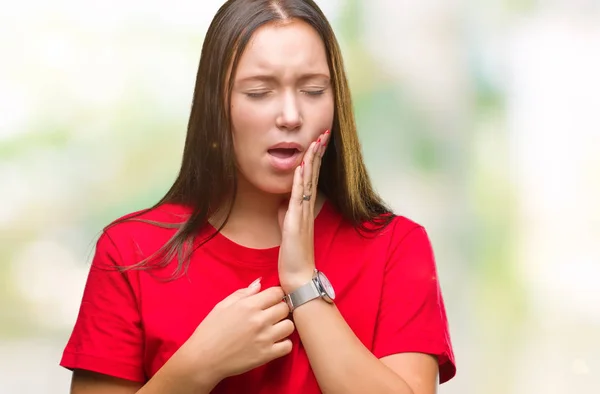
{"x": 149, "y": 219}
{"x": 392, "y": 240}
{"x": 410, "y": 253}
{"x": 405, "y": 245}
{"x": 402, "y": 226}
{"x": 396, "y": 230}
{"x": 146, "y": 229}
{"x": 387, "y": 229}
{"x": 405, "y": 230}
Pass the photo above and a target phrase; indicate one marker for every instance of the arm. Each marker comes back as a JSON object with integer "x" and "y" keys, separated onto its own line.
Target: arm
{"x": 411, "y": 322}
{"x": 106, "y": 348}
{"x": 342, "y": 364}
{"x": 86, "y": 382}
{"x": 411, "y": 327}
{"x": 174, "y": 378}
{"x": 169, "y": 379}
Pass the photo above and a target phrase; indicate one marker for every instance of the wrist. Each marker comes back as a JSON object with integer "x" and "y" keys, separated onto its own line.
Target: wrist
{"x": 290, "y": 283}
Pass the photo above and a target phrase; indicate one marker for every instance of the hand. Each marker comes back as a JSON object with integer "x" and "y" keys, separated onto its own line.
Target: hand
{"x": 247, "y": 329}
{"x": 296, "y": 254}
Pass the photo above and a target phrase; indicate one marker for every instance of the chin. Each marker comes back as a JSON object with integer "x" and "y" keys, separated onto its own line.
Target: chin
{"x": 275, "y": 188}
{"x": 275, "y": 185}
{"x": 267, "y": 182}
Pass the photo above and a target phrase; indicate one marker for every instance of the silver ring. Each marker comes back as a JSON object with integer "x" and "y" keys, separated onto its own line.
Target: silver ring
{"x": 306, "y": 197}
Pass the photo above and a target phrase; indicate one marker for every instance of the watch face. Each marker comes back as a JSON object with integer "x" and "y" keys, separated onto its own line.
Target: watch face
{"x": 327, "y": 287}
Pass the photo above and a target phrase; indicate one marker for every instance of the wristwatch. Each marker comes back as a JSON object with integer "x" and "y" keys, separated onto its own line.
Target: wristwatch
{"x": 318, "y": 287}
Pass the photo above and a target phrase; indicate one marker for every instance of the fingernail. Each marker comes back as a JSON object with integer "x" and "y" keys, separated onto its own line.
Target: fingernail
{"x": 327, "y": 131}
{"x": 319, "y": 140}
{"x": 302, "y": 165}
{"x": 255, "y": 284}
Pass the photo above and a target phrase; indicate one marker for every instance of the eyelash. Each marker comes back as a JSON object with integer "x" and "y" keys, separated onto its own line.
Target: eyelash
{"x": 313, "y": 93}
{"x": 256, "y": 95}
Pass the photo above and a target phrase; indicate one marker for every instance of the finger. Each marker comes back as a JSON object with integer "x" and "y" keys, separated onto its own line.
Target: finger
{"x": 307, "y": 178}
{"x": 312, "y": 182}
{"x": 268, "y": 297}
{"x": 295, "y": 204}
{"x": 281, "y": 330}
{"x": 318, "y": 161}
{"x": 307, "y": 172}
{"x": 239, "y": 294}
{"x": 281, "y": 348}
{"x": 325, "y": 142}
{"x": 277, "y": 312}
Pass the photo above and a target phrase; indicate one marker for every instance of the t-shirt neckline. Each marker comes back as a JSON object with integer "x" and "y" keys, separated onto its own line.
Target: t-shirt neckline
{"x": 224, "y": 248}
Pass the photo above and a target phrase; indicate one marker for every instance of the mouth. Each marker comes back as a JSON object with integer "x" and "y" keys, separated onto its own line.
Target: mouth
{"x": 283, "y": 153}
{"x": 285, "y": 157}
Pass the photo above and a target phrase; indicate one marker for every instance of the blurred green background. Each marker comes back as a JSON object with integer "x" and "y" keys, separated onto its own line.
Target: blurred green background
{"x": 478, "y": 119}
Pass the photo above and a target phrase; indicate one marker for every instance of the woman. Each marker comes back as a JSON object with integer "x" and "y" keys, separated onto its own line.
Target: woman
{"x": 272, "y": 204}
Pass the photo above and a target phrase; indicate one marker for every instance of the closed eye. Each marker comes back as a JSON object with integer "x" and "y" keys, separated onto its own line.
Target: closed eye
{"x": 314, "y": 92}
{"x": 256, "y": 95}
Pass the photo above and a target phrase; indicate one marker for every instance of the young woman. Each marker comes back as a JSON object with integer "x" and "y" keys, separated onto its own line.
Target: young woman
{"x": 270, "y": 266}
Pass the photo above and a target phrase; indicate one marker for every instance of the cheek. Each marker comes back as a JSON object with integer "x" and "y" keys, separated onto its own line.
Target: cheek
{"x": 322, "y": 116}
{"x": 248, "y": 127}
{"x": 329, "y": 112}
{"x": 249, "y": 122}
{"x": 241, "y": 124}
{"x": 246, "y": 114}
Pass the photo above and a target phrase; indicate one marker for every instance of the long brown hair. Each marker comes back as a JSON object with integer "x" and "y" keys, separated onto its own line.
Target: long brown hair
{"x": 207, "y": 179}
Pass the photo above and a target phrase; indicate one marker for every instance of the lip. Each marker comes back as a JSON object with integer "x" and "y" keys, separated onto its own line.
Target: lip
{"x": 285, "y": 164}
{"x": 287, "y": 145}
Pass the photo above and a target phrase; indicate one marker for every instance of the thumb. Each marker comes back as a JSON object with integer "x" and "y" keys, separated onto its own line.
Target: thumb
{"x": 242, "y": 293}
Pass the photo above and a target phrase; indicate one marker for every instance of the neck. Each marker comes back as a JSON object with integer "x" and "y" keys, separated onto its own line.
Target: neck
{"x": 254, "y": 218}
{"x": 256, "y": 209}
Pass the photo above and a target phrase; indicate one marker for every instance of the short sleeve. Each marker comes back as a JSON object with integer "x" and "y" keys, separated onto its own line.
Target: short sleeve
{"x": 412, "y": 316}
{"x": 107, "y": 336}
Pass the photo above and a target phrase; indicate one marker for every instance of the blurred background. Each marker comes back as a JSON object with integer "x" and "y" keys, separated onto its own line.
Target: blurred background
{"x": 479, "y": 119}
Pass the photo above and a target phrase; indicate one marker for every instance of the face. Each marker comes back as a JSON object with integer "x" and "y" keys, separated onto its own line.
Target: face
{"x": 281, "y": 101}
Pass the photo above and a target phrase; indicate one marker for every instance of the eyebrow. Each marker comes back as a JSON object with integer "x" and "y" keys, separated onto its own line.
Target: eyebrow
{"x": 271, "y": 78}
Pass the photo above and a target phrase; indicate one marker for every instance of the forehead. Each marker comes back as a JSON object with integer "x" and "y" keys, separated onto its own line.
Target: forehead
{"x": 289, "y": 48}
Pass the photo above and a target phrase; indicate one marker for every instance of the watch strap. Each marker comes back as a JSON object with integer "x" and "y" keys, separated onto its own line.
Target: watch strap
{"x": 302, "y": 295}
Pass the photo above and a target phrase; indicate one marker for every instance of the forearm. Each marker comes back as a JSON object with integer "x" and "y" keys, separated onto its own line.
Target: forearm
{"x": 340, "y": 362}
{"x": 175, "y": 377}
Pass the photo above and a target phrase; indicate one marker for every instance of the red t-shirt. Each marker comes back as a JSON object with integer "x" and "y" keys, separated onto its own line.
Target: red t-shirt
{"x": 130, "y": 323}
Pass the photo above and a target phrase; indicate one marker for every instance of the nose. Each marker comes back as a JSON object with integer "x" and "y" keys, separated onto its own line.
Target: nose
{"x": 290, "y": 117}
